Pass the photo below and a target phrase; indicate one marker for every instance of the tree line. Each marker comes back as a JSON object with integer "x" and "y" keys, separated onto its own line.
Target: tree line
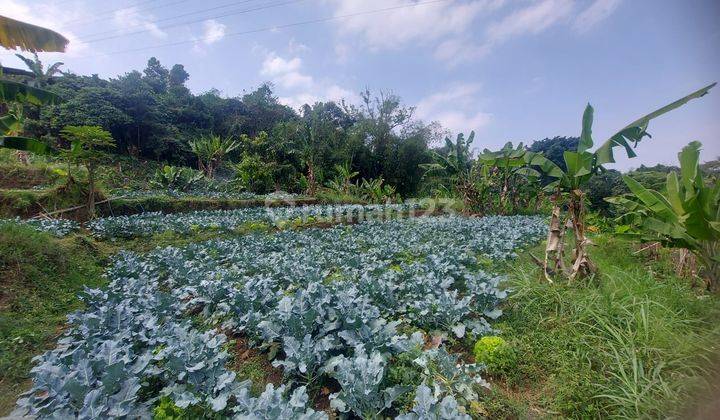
{"x": 153, "y": 115}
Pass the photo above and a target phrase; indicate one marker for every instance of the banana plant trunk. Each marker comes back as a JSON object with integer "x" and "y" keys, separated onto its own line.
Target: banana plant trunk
{"x": 555, "y": 243}
{"x": 582, "y": 266}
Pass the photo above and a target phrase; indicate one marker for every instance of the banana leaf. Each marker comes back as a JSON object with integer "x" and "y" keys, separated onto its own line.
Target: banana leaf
{"x": 17, "y": 92}
{"x": 634, "y": 132}
{"x": 16, "y": 34}
{"x": 26, "y": 144}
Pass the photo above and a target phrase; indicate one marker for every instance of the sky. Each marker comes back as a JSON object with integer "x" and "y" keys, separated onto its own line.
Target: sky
{"x": 511, "y": 70}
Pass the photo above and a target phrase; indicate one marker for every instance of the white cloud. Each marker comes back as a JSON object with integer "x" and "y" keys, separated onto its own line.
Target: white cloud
{"x": 321, "y": 93}
{"x": 456, "y": 108}
{"x": 393, "y": 29}
{"x": 529, "y": 20}
{"x": 297, "y": 87}
{"x": 459, "y": 31}
{"x": 294, "y": 80}
{"x": 214, "y": 31}
{"x": 131, "y": 19}
{"x": 275, "y": 65}
{"x": 285, "y": 72}
{"x": 598, "y": 11}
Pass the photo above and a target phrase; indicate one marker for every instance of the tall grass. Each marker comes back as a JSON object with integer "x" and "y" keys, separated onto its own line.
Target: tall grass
{"x": 634, "y": 342}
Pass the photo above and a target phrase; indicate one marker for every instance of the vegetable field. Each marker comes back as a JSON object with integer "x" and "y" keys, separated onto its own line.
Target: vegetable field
{"x": 334, "y": 309}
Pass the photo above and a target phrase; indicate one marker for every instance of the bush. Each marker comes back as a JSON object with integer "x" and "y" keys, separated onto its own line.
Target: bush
{"x": 495, "y": 353}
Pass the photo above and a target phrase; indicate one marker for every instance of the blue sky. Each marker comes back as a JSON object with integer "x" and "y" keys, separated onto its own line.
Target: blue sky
{"x": 512, "y": 70}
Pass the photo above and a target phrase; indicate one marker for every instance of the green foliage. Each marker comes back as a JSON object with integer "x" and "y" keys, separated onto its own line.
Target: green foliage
{"x": 86, "y": 144}
{"x": 456, "y": 164}
{"x": 687, "y": 215}
{"x": 555, "y": 148}
{"x": 582, "y": 164}
{"x": 374, "y": 191}
{"x": 253, "y": 174}
{"x": 13, "y": 96}
{"x": 41, "y": 76}
{"x": 495, "y": 353}
{"x": 176, "y": 178}
{"x": 342, "y": 181}
{"x": 603, "y": 185}
{"x": 167, "y": 410}
{"x": 211, "y": 150}
{"x": 17, "y": 92}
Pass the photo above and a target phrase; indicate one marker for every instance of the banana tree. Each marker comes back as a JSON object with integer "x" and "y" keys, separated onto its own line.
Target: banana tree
{"x": 581, "y": 165}
{"x": 211, "y": 151}
{"x": 687, "y": 216}
{"x": 508, "y": 168}
{"x": 13, "y": 96}
{"x": 455, "y": 166}
{"x": 41, "y": 76}
{"x": 27, "y": 37}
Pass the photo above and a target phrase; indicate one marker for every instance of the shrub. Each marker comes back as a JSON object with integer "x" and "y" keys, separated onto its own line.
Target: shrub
{"x": 495, "y": 353}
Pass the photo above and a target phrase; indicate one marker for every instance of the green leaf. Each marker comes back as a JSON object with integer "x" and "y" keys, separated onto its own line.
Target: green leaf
{"x": 10, "y": 124}
{"x": 25, "y": 144}
{"x": 652, "y": 199}
{"x": 673, "y": 192}
{"x": 17, "y": 92}
{"x": 586, "y": 141}
{"x": 547, "y": 166}
{"x": 635, "y": 131}
{"x": 689, "y": 159}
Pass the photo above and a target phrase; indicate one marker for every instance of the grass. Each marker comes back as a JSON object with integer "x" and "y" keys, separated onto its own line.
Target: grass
{"x": 632, "y": 342}
{"x": 40, "y": 278}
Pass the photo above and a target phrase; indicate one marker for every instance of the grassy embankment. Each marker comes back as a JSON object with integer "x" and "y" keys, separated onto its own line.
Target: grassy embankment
{"x": 636, "y": 341}
{"x": 40, "y": 278}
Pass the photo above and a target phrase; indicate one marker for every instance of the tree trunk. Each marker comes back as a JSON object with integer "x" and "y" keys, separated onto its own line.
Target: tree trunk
{"x": 91, "y": 195}
{"x": 554, "y": 247}
{"x": 582, "y": 266}
{"x": 312, "y": 185}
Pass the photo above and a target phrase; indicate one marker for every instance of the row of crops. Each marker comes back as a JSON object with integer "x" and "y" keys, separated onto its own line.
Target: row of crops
{"x": 334, "y": 307}
{"x": 151, "y": 223}
{"x": 147, "y": 224}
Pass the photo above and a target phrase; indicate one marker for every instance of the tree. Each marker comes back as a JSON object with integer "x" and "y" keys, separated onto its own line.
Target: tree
{"x": 86, "y": 148}
{"x": 581, "y": 165}
{"x": 41, "y": 76}
{"x": 156, "y": 75}
{"x": 211, "y": 151}
{"x": 264, "y": 111}
{"x": 455, "y": 166}
{"x": 603, "y": 185}
{"x": 686, "y": 216}
{"x": 554, "y": 148}
{"x": 178, "y": 76}
{"x": 377, "y": 119}
{"x": 511, "y": 184}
